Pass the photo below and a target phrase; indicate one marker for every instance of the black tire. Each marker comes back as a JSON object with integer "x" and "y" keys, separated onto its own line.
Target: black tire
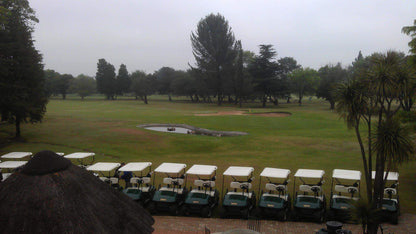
{"x": 223, "y": 213}
{"x": 152, "y": 208}
{"x": 183, "y": 211}
{"x": 206, "y": 212}
{"x": 173, "y": 209}
{"x": 283, "y": 215}
{"x": 394, "y": 218}
{"x": 245, "y": 213}
{"x": 257, "y": 213}
{"x": 321, "y": 217}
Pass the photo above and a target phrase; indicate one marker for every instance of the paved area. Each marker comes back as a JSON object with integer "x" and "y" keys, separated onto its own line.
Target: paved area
{"x": 191, "y": 225}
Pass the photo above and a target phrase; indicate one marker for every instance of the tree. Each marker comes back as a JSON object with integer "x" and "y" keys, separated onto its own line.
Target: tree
{"x": 411, "y": 31}
{"x": 123, "y": 80}
{"x": 84, "y": 85}
{"x": 63, "y": 83}
{"x": 330, "y": 77}
{"x": 303, "y": 81}
{"x": 106, "y": 79}
{"x": 143, "y": 85}
{"x": 22, "y": 87}
{"x": 264, "y": 71}
{"x": 369, "y": 98}
{"x": 212, "y": 46}
{"x": 51, "y": 82}
{"x": 286, "y": 66}
{"x": 164, "y": 77}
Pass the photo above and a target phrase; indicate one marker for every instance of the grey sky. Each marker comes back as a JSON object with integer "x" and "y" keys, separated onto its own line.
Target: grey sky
{"x": 147, "y": 35}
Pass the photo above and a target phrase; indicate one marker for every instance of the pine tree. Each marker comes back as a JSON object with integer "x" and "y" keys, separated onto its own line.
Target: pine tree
{"x": 22, "y": 87}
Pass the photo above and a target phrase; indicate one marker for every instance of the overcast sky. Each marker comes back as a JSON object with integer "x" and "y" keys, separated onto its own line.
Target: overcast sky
{"x": 147, "y": 35}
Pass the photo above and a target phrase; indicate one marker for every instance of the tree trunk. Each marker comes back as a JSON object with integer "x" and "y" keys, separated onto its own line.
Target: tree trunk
{"x": 63, "y": 96}
{"x": 145, "y": 99}
{"x": 264, "y": 101}
{"x": 18, "y": 120}
{"x": 332, "y": 104}
{"x": 170, "y": 98}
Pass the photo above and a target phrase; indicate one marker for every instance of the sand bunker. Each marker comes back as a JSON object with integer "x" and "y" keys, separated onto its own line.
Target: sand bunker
{"x": 265, "y": 114}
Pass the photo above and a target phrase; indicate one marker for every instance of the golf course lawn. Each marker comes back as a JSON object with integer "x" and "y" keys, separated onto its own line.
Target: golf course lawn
{"x": 313, "y": 137}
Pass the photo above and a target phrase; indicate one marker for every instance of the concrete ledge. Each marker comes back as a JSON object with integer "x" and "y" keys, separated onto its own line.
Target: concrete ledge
{"x": 197, "y": 131}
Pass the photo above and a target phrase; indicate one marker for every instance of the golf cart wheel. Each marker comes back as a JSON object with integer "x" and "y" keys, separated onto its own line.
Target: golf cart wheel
{"x": 173, "y": 209}
{"x": 245, "y": 213}
{"x": 223, "y": 213}
{"x": 152, "y": 208}
{"x": 283, "y": 215}
{"x": 320, "y": 218}
{"x": 184, "y": 211}
{"x": 394, "y": 218}
{"x": 206, "y": 212}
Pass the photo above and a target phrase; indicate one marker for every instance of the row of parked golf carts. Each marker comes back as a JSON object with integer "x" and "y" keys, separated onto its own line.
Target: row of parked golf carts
{"x": 194, "y": 191}
{"x": 202, "y": 197}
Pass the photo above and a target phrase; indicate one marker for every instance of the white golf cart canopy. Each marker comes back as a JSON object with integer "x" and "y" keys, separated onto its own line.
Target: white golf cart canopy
{"x": 310, "y": 173}
{"x": 79, "y": 155}
{"x": 103, "y": 166}
{"x": 275, "y": 173}
{"x": 17, "y": 155}
{"x": 393, "y": 176}
{"x": 135, "y": 166}
{"x": 346, "y": 174}
{"x": 238, "y": 171}
{"x": 12, "y": 164}
{"x": 206, "y": 170}
{"x": 170, "y": 168}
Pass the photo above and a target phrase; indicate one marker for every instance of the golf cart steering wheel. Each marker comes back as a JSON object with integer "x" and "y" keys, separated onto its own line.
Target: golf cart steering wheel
{"x": 315, "y": 189}
{"x": 206, "y": 185}
{"x": 244, "y": 186}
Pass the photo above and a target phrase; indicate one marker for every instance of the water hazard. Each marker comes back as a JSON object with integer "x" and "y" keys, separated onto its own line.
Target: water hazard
{"x": 171, "y": 129}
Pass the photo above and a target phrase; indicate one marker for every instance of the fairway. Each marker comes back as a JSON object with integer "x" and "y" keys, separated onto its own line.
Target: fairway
{"x": 312, "y": 137}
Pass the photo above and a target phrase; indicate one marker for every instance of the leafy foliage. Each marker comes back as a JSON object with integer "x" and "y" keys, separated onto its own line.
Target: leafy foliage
{"x": 22, "y": 91}
{"x": 106, "y": 79}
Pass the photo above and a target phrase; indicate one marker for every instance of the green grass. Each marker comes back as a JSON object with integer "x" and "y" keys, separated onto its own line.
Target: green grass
{"x": 312, "y": 137}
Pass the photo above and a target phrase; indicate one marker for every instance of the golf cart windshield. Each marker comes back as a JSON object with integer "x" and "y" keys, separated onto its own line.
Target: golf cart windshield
{"x": 199, "y": 195}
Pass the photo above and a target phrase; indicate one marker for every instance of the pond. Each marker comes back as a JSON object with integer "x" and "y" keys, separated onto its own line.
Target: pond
{"x": 170, "y": 129}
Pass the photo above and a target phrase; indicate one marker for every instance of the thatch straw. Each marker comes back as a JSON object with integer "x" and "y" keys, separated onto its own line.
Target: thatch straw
{"x": 51, "y": 195}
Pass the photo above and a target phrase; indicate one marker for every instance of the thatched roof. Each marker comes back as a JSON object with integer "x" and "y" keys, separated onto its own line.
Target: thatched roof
{"x": 51, "y": 195}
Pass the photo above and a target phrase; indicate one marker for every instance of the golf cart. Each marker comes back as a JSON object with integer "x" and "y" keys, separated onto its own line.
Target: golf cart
{"x": 275, "y": 201}
{"x": 140, "y": 190}
{"x": 105, "y": 171}
{"x": 309, "y": 202}
{"x": 390, "y": 209}
{"x": 83, "y": 158}
{"x": 345, "y": 189}
{"x": 239, "y": 201}
{"x": 204, "y": 197}
{"x": 9, "y": 167}
{"x": 172, "y": 195}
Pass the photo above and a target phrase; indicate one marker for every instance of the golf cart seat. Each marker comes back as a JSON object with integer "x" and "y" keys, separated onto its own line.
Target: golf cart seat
{"x": 104, "y": 179}
{"x": 238, "y": 185}
{"x": 113, "y": 180}
{"x": 341, "y": 188}
{"x": 140, "y": 180}
{"x": 172, "y": 181}
{"x": 276, "y": 187}
{"x": 204, "y": 183}
{"x": 390, "y": 191}
{"x": 305, "y": 188}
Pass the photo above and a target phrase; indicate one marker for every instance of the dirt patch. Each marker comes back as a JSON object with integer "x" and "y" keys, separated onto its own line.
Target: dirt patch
{"x": 222, "y": 113}
{"x": 265, "y": 114}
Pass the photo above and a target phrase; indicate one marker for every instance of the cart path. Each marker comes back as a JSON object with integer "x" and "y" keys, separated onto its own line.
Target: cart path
{"x": 191, "y": 225}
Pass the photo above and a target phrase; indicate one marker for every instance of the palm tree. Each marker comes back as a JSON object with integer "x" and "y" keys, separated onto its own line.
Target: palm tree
{"x": 371, "y": 97}
{"x": 411, "y": 31}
